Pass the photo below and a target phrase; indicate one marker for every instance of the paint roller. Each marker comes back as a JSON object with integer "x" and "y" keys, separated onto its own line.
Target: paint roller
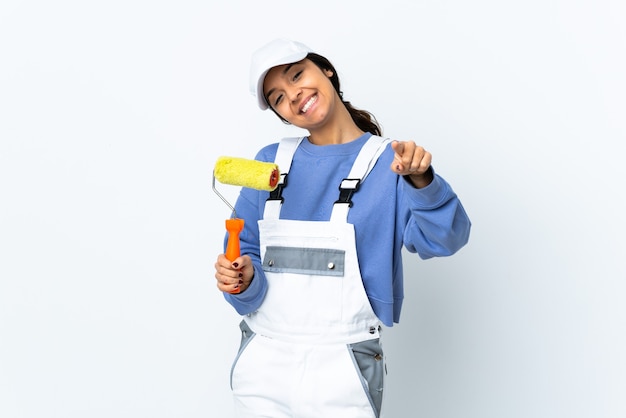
{"x": 246, "y": 173}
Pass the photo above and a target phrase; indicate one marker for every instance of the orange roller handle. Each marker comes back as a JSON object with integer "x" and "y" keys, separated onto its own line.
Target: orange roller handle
{"x": 233, "y": 250}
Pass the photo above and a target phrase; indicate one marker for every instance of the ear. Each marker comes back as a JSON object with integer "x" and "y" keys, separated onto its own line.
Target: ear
{"x": 328, "y": 73}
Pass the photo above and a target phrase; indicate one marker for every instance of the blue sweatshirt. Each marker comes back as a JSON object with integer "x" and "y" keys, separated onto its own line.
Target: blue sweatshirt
{"x": 388, "y": 213}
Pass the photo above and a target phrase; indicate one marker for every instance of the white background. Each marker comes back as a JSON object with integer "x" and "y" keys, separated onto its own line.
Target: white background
{"x": 112, "y": 115}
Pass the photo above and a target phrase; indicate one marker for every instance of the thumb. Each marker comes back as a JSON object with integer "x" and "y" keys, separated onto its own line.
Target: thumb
{"x": 398, "y": 148}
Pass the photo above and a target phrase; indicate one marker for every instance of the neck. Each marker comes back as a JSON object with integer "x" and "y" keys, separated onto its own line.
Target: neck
{"x": 338, "y": 131}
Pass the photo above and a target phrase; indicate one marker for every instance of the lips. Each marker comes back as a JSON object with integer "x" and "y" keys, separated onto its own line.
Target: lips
{"x": 307, "y": 104}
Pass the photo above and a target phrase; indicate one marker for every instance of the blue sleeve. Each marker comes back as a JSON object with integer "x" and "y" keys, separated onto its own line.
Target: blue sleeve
{"x": 438, "y": 225}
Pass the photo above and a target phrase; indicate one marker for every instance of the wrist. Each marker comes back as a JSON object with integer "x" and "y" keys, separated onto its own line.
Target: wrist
{"x": 419, "y": 181}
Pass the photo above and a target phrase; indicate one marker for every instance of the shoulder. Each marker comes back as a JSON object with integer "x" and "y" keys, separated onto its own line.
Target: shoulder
{"x": 267, "y": 153}
{"x": 388, "y": 153}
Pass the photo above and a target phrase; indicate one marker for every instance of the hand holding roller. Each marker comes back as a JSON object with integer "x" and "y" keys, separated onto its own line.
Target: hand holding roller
{"x": 246, "y": 173}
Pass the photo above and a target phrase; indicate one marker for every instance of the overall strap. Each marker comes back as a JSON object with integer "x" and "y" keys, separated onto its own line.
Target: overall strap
{"x": 284, "y": 155}
{"x": 362, "y": 166}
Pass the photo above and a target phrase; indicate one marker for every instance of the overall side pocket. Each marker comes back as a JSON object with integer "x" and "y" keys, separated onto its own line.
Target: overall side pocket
{"x": 370, "y": 363}
{"x": 246, "y": 336}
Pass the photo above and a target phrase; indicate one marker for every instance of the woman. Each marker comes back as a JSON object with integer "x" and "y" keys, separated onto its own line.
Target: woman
{"x": 321, "y": 271}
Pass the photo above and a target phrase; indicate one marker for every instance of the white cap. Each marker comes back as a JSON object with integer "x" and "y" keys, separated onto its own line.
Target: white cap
{"x": 277, "y": 52}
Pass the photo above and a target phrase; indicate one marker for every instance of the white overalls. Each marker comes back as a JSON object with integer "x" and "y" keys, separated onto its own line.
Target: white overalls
{"x": 313, "y": 347}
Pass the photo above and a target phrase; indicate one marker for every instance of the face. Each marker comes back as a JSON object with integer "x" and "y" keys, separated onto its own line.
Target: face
{"x": 301, "y": 93}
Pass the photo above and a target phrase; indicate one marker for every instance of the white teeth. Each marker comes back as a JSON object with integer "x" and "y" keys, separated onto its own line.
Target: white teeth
{"x": 308, "y": 104}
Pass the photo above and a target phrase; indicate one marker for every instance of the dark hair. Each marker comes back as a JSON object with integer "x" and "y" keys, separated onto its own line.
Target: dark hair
{"x": 362, "y": 118}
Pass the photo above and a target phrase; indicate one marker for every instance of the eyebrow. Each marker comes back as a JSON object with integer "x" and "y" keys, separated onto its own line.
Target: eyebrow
{"x": 285, "y": 70}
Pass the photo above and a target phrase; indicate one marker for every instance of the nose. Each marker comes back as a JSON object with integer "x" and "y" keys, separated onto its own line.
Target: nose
{"x": 294, "y": 94}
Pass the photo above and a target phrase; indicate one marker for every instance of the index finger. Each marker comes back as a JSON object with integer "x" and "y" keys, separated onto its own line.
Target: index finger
{"x": 398, "y": 147}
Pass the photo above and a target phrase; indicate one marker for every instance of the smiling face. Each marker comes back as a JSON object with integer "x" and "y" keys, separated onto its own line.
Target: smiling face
{"x": 301, "y": 93}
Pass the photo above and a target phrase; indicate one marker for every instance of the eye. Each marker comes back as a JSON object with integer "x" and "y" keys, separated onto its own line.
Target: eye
{"x": 278, "y": 99}
{"x": 297, "y": 75}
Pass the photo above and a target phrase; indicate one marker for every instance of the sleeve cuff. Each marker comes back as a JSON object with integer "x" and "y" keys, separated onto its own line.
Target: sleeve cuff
{"x": 431, "y": 196}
